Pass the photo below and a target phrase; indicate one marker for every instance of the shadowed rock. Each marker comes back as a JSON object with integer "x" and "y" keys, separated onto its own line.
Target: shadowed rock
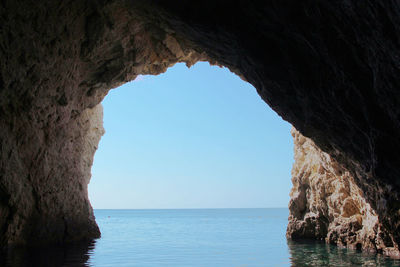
{"x": 329, "y": 68}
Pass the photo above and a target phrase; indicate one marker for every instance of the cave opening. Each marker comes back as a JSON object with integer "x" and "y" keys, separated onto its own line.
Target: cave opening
{"x": 196, "y": 143}
{"x": 196, "y": 137}
{"x": 329, "y": 69}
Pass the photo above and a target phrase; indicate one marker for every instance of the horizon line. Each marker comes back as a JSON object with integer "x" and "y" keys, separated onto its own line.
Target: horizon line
{"x": 186, "y": 208}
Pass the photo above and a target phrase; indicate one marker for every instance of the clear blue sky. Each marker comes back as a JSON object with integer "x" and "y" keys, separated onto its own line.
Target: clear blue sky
{"x": 191, "y": 138}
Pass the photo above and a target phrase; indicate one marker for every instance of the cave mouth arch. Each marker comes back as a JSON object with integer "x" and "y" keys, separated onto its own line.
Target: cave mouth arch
{"x": 191, "y": 138}
{"x": 330, "y": 69}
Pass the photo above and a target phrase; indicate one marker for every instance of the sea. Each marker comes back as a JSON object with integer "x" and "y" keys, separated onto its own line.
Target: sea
{"x": 193, "y": 237}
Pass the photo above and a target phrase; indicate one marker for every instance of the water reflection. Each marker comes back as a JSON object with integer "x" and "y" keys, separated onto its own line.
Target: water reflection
{"x": 308, "y": 253}
{"x": 305, "y": 253}
{"x": 56, "y": 256}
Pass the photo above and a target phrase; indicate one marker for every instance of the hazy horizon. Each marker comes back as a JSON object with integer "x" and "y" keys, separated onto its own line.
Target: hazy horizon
{"x": 186, "y": 208}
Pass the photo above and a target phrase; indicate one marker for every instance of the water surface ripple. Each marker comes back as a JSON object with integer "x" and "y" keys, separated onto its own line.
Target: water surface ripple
{"x": 198, "y": 237}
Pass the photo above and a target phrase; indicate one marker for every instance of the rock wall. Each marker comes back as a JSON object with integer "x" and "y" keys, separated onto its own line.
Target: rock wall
{"x": 327, "y": 204}
{"x": 53, "y": 77}
{"x": 45, "y": 176}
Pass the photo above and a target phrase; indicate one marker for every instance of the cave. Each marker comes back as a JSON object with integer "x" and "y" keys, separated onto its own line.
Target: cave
{"x": 331, "y": 69}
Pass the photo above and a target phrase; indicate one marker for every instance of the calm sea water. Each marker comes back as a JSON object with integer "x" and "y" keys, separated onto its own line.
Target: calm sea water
{"x": 201, "y": 237}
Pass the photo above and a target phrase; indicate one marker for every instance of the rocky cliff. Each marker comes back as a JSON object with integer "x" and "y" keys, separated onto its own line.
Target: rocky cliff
{"x": 328, "y": 204}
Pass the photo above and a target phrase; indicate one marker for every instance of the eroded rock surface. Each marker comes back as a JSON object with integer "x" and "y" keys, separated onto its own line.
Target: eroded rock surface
{"x": 45, "y": 174}
{"x": 331, "y": 68}
{"x": 58, "y": 61}
{"x": 327, "y": 204}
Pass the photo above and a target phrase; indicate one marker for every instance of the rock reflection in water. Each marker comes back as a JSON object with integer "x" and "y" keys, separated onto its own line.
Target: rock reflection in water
{"x": 309, "y": 253}
{"x": 305, "y": 253}
{"x": 76, "y": 254}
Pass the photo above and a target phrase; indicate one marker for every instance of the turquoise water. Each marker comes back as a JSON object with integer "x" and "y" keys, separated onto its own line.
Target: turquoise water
{"x": 201, "y": 237}
{"x": 214, "y": 237}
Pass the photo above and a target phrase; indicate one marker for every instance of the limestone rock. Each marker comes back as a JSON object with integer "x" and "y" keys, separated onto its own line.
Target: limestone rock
{"x": 326, "y": 203}
{"x": 331, "y": 68}
{"x": 47, "y": 200}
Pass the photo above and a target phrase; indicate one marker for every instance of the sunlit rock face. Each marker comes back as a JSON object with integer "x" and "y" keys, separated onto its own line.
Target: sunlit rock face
{"x": 329, "y": 68}
{"x": 327, "y": 204}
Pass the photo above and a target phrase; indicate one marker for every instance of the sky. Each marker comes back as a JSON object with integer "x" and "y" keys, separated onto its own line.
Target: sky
{"x": 196, "y": 137}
